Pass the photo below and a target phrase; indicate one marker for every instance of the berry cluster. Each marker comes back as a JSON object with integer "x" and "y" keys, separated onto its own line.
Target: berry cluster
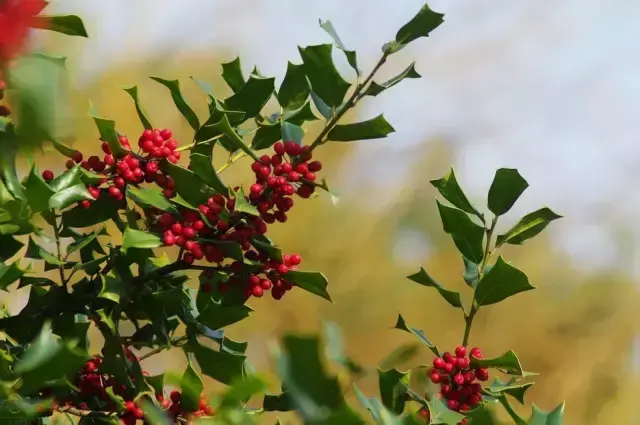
{"x": 458, "y": 380}
{"x": 279, "y": 176}
{"x": 92, "y": 384}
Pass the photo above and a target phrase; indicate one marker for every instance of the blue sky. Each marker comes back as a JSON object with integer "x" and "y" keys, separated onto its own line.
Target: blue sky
{"x": 550, "y": 88}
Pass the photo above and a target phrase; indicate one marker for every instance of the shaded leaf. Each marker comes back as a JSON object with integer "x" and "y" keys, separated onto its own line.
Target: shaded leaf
{"x": 37, "y": 192}
{"x": 350, "y": 54}
{"x": 451, "y": 191}
{"x": 402, "y": 325}
{"x": 232, "y": 74}
{"x": 375, "y": 89}
{"x": 292, "y": 132}
{"x": 133, "y": 92}
{"x": 501, "y": 282}
{"x": 375, "y": 128}
{"x": 191, "y": 387}
{"x": 222, "y": 366}
{"x": 252, "y": 97}
{"x": 107, "y": 130}
{"x": 294, "y": 90}
{"x": 313, "y": 282}
{"x": 467, "y": 235}
{"x": 322, "y": 107}
{"x": 64, "y": 24}
{"x": 189, "y": 186}
{"x": 266, "y": 136}
{"x": 420, "y": 26}
{"x": 393, "y": 389}
{"x": 326, "y": 81}
{"x": 224, "y": 127}
{"x": 180, "y": 102}
{"x": 150, "y": 197}
{"x": 217, "y": 316}
{"x": 423, "y": 278}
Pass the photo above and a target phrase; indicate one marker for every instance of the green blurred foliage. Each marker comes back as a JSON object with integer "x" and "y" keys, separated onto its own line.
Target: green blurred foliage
{"x": 576, "y": 330}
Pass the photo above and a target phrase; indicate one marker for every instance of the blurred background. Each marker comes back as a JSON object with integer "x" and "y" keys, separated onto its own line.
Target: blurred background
{"x": 549, "y": 88}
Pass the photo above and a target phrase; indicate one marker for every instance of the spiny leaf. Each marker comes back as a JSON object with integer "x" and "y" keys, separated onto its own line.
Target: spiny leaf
{"x": 500, "y": 283}
{"x": 374, "y": 128}
{"x": 423, "y": 278}
{"x": 65, "y": 24}
{"x": 294, "y": 90}
{"x": 232, "y": 74}
{"x": 529, "y": 226}
{"x": 466, "y": 234}
{"x": 451, "y": 191}
{"x": 350, "y": 54}
{"x": 326, "y": 81}
{"x": 375, "y": 89}
{"x": 133, "y": 92}
{"x": 180, "y": 102}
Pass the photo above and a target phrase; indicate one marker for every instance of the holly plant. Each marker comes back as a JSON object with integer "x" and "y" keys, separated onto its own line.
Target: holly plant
{"x": 118, "y": 242}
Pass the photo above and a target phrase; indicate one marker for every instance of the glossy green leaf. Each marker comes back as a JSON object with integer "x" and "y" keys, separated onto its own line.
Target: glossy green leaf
{"x": 217, "y": 316}
{"x": 467, "y": 235}
{"x": 9, "y": 174}
{"x": 508, "y": 363}
{"x": 67, "y": 179}
{"x": 252, "y": 97}
{"x": 64, "y": 24}
{"x": 107, "y": 130}
{"x": 278, "y": 403}
{"x": 501, "y": 282}
{"x": 63, "y": 149}
{"x": 292, "y": 132}
{"x": 224, "y": 127}
{"x": 191, "y": 387}
{"x": 423, "y": 278}
{"x": 84, "y": 241}
{"x": 321, "y": 106}
{"x": 133, "y": 92}
{"x": 375, "y": 128}
{"x": 221, "y": 366}
{"x": 420, "y": 26}
{"x": 301, "y": 115}
{"x": 451, "y": 191}
{"x": 266, "y": 136}
{"x": 326, "y": 81}
{"x": 506, "y": 188}
{"x": 150, "y": 197}
{"x": 350, "y": 54}
{"x": 515, "y": 390}
{"x": 9, "y": 274}
{"x": 37, "y": 192}
{"x": 139, "y": 239}
{"x": 192, "y": 188}
{"x": 529, "y": 226}
{"x": 70, "y": 196}
{"x": 232, "y": 74}
{"x": 402, "y": 325}
{"x": 375, "y": 89}
{"x": 294, "y": 90}
{"x": 540, "y": 417}
{"x": 203, "y": 168}
{"x": 481, "y": 415}
{"x": 243, "y": 205}
{"x": 180, "y": 102}
{"x": 112, "y": 289}
{"x": 440, "y": 413}
{"x": 98, "y": 212}
{"x": 313, "y": 282}
{"x": 393, "y": 389}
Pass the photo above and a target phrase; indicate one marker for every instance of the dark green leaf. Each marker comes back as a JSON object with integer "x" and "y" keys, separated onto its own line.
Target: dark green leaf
{"x": 243, "y": 205}
{"x": 112, "y": 289}
{"x": 9, "y": 274}
{"x": 252, "y": 97}
{"x": 191, "y": 387}
{"x": 35, "y": 251}
{"x": 449, "y": 188}
{"x": 266, "y": 136}
{"x": 36, "y": 281}
{"x": 375, "y": 128}
{"x": 517, "y": 391}
{"x": 37, "y": 192}
{"x": 540, "y": 417}
{"x": 326, "y": 81}
{"x": 350, "y": 54}
{"x": 501, "y": 282}
{"x": 277, "y": 403}
{"x": 467, "y": 235}
{"x": 402, "y": 325}
{"x": 67, "y": 179}
{"x": 133, "y": 92}
{"x": 505, "y": 190}
{"x": 313, "y": 282}
{"x": 224, "y": 127}
{"x": 440, "y": 413}
{"x": 375, "y": 89}
{"x": 393, "y": 389}
{"x": 217, "y": 316}
{"x": 9, "y": 173}
{"x": 322, "y": 107}
{"x": 420, "y": 26}
{"x": 481, "y": 415}
{"x": 241, "y": 391}
{"x": 139, "y": 239}
{"x": 63, "y": 149}
{"x": 529, "y": 226}
{"x": 508, "y": 362}
{"x": 99, "y": 211}
{"x": 221, "y": 366}
{"x": 207, "y": 132}
{"x": 180, "y": 102}
{"x": 203, "y": 168}
{"x": 69, "y": 196}
{"x": 294, "y": 90}
{"x": 423, "y": 278}
{"x": 193, "y": 189}
{"x": 300, "y": 116}
{"x": 232, "y": 74}
{"x": 150, "y": 197}
{"x": 83, "y": 241}
{"x": 8, "y": 247}
{"x": 107, "y": 129}
{"x": 292, "y": 132}
{"x": 65, "y": 24}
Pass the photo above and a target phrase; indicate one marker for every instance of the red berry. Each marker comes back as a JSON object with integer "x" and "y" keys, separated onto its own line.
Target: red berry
{"x": 202, "y": 404}
{"x": 475, "y": 352}
{"x": 461, "y": 351}
{"x": 458, "y": 379}
{"x": 438, "y": 363}
{"x": 453, "y": 404}
{"x": 114, "y": 192}
{"x": 482, "y": 374}
{"x": 435, "y": 377}
{"x": 176, "y": 228}
{"x": 475, "y": 399}
{"x": 256, "y": 188}
{"x": 198, "y": 225}
{"x": 47, "y": 175}
{"x": 188, "y": 233}
{"x": 257, "y": 291}
{"x": 69, "y": 164}
{"x": 76, "y": 156}
{"x": 188, "y": 258}
{"x": 448, "y": 358}
{"x": 315, "y": 166}
{"x": 130, "y": 406}
{"x": 448, "y": 367}
{"x": 294, "y": 260}
{"x": 166, "y": 134}
{"x": 169, "y": 239}
{"x": 279, "y": 148}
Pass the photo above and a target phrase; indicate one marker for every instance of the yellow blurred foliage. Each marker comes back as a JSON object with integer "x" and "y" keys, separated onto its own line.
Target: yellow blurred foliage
{"x": 576, "y": 329}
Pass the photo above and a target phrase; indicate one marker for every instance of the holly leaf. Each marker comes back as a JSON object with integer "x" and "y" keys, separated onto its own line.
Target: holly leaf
{"x": 420, "y": 26}
{"x": 506, "y": 188}
{"x": 180, "y": 102}
{"x": 266, "y": 135}
{"x": 139, "y": 239}
{"x": 529, "y": 226}
{"x": 326, "y": 81}
{"x": 375, "y": 89}
{"x": 224, "y": 367}
{"x": 424, "y": 279}
{"x": 192, "y": 188}
{"x": 451, "y": 191}
{"x": 467, "y": 235}
{"x": 252, "y": 97}
{"x": 294, "y": 90}
{"x": 64, "y": 24}
{"x": 191, "y": 387}
{"x": 153, "y": 414}
{"x": 393, "y": 389}
{"x": 69, "y": 196}
{"x": 37, "y": 192}
{"x": 500, "y": 283}
{"x": 278, "y": 403}
{"x": 540, "y": 417}
{"x": 516, "y": 391}
{"x": 322, "y": 107}
{"x": 63, "y": 149}
{"x": 508, "y": 363}
{"x": 107, "y": 130}
{"x": 150, "y": 197}
{"x": 440, "y": 413}
{"x": 133, "y": 92}
{"x": 313, "y": 282}
{"x": 224, "y": 127}
{"x": 375, "y": 128}
{"x": 403, "y": 326}
{"x": 217, "y": 316}
{"x": 350, "y": 54}
{"x": 232, "y": 74}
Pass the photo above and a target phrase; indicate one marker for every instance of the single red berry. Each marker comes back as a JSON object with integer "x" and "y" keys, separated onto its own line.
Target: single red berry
{"x": 69, "y": 164}
{"x": 188, "y": 258}
{"x": 475, "y": 399}
{"x": 445, "y": 389}
{"x": 465, "y": 408}
{"x": 130, "y": 406}
{"x": 188, "y": 233}
{"x": 279, "y": 148}
{"x": 77, "y": 156}
{"x": 448, "y": 367}
{"x": 166, "y": 403}
{"x": 475, "y": 352}
{"x": 176, "y": 228}
{"x": 461, "y": 351}
{"x": 476, "y": 388}
{"x": 448, "y": 358}
{"x": 305, "y": 191}
{"x": 166, "y": 134}
{"x": 257, "y": 291}
{"x": 458, "y": 379}
{"x": 47, "y": 175}
{"x": 256, "y": 188}
{"x": 453, "y": 404}
{"x": 138, "y": 413}
{"x": 435, "y": 377}
{"x": 315, "y": 166}
{"x": 469, "y": 377}
{"x": 482, "y": 374}
{"x": 438, "y": 363}
{"x": 202, "y": 404}
{"x": 114, "y": 192}
{"x": 462, "y": 362}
